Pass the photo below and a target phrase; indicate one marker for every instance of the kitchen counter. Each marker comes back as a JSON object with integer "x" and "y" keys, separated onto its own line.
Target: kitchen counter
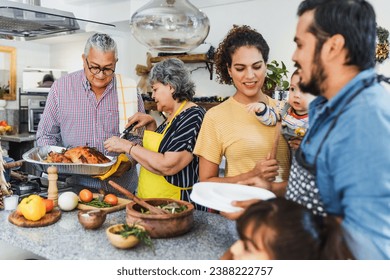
{"x": 21, "y": 137}
{"x": 210, "y": 236}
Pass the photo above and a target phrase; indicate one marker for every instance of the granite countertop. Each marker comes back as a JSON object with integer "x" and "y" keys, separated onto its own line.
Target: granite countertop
{"x": 21, "y": 137}
{"x": 210, "y": 236}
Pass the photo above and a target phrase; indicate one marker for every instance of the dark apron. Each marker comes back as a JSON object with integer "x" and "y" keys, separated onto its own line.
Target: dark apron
{"x": 302, "y": 184}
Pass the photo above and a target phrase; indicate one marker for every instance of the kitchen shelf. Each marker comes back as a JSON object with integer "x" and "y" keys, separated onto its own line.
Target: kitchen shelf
{"x": 186, "y": 58}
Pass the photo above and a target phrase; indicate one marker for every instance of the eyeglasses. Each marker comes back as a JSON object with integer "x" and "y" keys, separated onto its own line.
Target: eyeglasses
{"x": 96, "y": 70}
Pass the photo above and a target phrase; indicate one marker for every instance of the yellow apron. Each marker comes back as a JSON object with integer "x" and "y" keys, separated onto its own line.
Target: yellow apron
{"x": 151, "y": 185}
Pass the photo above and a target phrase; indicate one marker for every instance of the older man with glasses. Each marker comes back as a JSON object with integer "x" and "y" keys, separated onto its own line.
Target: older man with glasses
{"x": 82, "y": 109}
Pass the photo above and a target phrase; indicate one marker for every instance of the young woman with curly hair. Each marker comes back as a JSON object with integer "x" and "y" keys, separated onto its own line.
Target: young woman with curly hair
{"x": 231, "y": 131}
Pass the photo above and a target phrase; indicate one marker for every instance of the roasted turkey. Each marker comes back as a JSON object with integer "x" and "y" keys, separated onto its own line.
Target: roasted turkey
{"x": 81, "y": 154}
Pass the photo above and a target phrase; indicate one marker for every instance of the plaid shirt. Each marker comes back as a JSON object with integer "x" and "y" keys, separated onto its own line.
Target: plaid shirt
{"x": 74, "y": 117}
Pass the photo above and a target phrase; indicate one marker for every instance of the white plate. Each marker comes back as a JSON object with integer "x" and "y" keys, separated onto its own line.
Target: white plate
{"x": 219, "y": 196}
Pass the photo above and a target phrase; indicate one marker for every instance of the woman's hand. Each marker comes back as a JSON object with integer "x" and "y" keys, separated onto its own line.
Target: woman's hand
{"x": 117, "y": 145}
{"x": 266, "y": 169}
{"x": 144, "y": 120}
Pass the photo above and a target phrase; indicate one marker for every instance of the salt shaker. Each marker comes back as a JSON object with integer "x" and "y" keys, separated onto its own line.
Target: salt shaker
{"x": 52, "y": 191}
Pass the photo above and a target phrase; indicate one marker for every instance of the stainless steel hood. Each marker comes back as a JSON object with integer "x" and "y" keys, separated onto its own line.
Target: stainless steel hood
{"x": 33, "y": 21}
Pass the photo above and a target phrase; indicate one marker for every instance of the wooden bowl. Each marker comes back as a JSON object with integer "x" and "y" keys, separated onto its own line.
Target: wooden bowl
{"x": 161, "y": 226}
{"x": 91, "y": 219}
{"x": 118, "y": 240}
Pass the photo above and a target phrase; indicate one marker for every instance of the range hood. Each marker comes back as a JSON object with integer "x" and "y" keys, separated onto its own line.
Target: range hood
{"x": 33, "y": 21}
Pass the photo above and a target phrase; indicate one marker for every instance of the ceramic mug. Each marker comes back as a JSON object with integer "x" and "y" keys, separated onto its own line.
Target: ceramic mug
{"x": 11, "y": 202}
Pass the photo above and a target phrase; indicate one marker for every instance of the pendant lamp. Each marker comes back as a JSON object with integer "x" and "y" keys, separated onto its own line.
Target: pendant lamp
{"x": 170, "y": 26}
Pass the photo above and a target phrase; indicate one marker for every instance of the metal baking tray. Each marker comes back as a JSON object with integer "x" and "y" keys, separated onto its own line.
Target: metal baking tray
{"x": 37, "y": 155}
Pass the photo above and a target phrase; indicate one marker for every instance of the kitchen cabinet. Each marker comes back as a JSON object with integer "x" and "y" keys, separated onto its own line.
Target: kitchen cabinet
{"x": 210, "y": 236}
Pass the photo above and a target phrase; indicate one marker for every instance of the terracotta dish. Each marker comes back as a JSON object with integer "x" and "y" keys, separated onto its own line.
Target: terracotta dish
{"x": 161, "y": 225}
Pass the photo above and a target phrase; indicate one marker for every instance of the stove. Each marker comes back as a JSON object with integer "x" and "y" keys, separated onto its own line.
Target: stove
{"x": 26, "y": 188}
{"x": 24, "y": 184}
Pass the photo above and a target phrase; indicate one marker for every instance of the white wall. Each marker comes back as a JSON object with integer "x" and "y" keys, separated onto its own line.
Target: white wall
{"x": 275, "y": 19}
{"x": 28, "y": 54}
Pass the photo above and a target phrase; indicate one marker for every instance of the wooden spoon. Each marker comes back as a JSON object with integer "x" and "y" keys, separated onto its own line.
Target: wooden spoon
{"x": 138, "y": 200}
{"x": 13, "y": 164}
{"x": 276, "y": 140}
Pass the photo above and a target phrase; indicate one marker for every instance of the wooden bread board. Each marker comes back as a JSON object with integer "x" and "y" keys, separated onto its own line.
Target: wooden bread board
{"x": 49, "y": 219}
{"x": 122, "y": 202}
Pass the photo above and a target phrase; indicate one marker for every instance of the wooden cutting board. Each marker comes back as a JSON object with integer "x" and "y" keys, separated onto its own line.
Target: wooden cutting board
{"x": 49, "y": 219}
{"x": 122, "y": 202}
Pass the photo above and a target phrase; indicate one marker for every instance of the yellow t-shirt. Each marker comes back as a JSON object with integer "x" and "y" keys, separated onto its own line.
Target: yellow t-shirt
{"x": 230, "y": 130}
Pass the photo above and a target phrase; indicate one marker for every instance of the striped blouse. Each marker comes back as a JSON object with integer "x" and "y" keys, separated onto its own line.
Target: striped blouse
{"x": 181, "y": 136}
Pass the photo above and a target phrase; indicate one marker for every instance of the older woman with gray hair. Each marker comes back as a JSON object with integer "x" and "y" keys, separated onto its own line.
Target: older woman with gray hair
{"x": 168, "y": 167}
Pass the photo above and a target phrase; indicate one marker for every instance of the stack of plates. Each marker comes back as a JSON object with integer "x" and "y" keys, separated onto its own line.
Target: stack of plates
{"x": 219, "y": 196}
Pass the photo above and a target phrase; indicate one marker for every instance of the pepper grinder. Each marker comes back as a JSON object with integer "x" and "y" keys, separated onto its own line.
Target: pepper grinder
{"x": 52, "y": 191}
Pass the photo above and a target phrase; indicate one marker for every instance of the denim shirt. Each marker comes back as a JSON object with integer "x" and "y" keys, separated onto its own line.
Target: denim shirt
{"x": 353, "y": 166}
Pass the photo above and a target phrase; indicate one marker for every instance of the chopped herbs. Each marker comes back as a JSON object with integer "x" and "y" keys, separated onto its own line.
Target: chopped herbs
{"x": 140, "y": 233}
{"x": 173, "y": 208}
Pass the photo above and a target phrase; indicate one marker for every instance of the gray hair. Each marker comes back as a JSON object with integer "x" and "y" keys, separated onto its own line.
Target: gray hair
{"x": 173, "y": 72}
{"x": 102, "y": 42}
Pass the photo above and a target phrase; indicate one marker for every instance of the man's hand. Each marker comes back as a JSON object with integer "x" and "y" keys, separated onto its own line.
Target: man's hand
{"x": 294, "y": 143}
{"x": 242, "y": 204}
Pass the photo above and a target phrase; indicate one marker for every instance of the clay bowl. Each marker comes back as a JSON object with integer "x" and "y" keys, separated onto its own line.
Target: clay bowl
{"x": 164, "y": 225}
{"x": 91, "y": 219}
{"x": 118, "y": 240}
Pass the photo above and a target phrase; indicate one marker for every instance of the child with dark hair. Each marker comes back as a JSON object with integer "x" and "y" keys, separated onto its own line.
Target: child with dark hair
{"x": 280, "y": 229}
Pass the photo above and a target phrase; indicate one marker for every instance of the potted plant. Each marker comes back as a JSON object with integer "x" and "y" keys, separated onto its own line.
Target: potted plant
{"x": 276, "y": 79}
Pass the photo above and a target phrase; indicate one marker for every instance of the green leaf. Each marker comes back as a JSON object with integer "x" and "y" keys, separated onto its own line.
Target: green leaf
{"x": 276, "y": 75}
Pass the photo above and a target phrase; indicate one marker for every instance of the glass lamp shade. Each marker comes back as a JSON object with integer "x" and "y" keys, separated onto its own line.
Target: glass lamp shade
{"x": 170, "y": 26}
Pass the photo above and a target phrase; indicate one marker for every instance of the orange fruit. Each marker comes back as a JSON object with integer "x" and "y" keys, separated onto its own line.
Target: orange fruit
{"x": 85, "y": 195}
{"x": 111, "y": 199}
{"x": 49, "y": 205}
{"x": 19, "y": 210}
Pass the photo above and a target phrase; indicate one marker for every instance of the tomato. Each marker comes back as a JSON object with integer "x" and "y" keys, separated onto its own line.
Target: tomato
{"x": 19, "y": 210}
{"x": 111, "y": 199}
{"x": 3, "y": 123}
{"x": 49, "y": 205}
{"x": 85, "y": 195}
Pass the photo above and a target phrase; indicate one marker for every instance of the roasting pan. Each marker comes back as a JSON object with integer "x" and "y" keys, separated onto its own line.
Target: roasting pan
{"x": 36, "y": 156}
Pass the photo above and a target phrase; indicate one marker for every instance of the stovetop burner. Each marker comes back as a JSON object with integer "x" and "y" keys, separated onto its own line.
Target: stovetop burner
{"x": 23, "y": 185}
{"x": 25, "y": 188}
